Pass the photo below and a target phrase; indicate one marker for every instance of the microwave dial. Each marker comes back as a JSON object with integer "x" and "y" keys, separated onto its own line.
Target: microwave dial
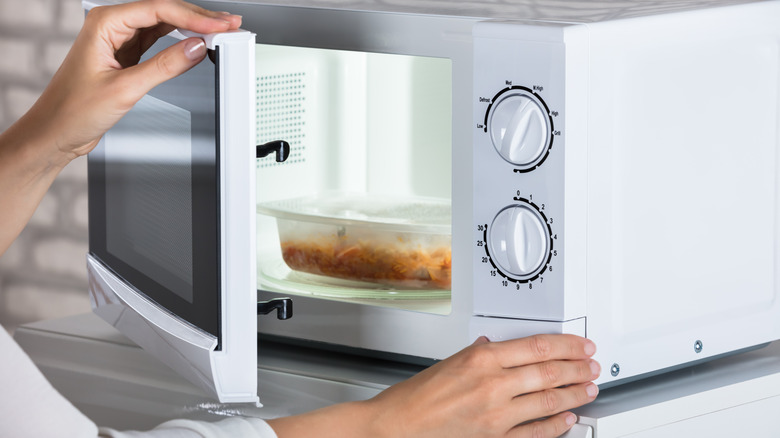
{"x": 519, "y": 241}
{"x": 520, "y": 127}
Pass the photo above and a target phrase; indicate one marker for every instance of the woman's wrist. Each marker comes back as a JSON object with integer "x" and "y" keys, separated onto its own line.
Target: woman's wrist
{"x": 33, "y": 150}
{"x": 32, "y": 154}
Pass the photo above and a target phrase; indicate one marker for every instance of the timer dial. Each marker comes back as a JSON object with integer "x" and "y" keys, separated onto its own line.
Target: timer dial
{"x": 519, "y": 241}
{"x": 519, "y": 128}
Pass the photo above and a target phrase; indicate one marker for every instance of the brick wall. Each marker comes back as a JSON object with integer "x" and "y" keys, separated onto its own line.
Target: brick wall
{"x": 43, "y": 274}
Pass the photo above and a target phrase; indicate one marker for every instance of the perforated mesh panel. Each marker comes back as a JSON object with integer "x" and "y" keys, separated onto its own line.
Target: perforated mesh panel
{"x": 281, "y": 108}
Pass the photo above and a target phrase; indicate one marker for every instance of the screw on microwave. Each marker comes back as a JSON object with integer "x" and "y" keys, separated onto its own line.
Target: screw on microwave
{"x": 698, "y": 346}
{"x": 281, "y": 147}
{"x": 614, "y": 370}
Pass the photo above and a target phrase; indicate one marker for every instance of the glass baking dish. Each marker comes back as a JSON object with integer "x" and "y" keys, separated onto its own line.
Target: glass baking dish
{"x": 390, "y": 247}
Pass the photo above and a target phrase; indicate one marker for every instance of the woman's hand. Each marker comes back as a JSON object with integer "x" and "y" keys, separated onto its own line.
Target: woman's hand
{"x": 490, "y": 389}
{"x": 100, "y": 80}
{"x": 494, "y": 389}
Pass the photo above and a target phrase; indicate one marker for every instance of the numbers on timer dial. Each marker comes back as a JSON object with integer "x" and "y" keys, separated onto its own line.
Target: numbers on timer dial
{"x": 519, "y": 241}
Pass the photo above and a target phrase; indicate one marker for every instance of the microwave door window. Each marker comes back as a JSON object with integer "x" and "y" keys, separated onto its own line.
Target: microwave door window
{"x": 148, "y": 203}
{"x": 154, "y": 191}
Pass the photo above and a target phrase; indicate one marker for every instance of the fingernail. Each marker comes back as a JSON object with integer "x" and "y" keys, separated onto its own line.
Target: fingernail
{"x": 595, "y": 368}
{"x": 570, "y": 419}
{"x": 228, "y": 18}
{"x": 592, "y": 390}
{"x": 195, "y": 49}
{"x": 590, "y": 347}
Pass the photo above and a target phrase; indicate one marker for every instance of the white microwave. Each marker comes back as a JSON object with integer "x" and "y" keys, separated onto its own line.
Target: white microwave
{"x": 608, "y": 169}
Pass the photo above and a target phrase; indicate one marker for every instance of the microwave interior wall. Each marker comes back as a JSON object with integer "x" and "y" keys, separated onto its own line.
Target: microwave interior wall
{"x": 372, "y": 124}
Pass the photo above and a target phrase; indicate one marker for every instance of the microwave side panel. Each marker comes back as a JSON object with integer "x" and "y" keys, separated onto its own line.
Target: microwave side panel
{"x": 682, "y": 219}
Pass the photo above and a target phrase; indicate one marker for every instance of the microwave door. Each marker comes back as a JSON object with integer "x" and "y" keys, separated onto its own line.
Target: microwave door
{"x": 171, "y": 259}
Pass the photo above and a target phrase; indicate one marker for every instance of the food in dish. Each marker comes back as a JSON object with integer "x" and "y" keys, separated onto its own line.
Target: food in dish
{"x": 375, "y": 260}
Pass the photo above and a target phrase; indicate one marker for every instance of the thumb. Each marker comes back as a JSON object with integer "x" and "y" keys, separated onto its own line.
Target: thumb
{"x": 169, "y": 63}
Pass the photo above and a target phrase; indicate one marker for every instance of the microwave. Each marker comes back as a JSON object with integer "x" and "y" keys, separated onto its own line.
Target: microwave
{"x": 607, "y": 169}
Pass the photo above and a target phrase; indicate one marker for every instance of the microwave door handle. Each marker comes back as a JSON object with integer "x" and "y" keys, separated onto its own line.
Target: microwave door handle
{"x": 281, "y": 147}
{"x": 283, "y": 307}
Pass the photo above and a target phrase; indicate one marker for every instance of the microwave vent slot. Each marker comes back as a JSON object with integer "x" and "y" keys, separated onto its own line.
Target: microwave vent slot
{"x": 281, "y": 107}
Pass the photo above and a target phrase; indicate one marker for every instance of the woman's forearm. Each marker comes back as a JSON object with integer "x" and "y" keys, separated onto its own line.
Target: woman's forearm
{"x": 29, "y": 162}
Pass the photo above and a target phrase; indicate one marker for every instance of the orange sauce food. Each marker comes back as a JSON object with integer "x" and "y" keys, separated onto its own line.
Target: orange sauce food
{"x": 392, "y": 263}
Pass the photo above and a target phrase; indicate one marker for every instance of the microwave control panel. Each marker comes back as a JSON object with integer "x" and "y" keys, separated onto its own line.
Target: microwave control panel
{"x": 518, "y": 173}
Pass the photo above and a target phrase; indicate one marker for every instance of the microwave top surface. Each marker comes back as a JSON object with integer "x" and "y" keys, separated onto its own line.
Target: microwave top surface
{"x": 566, "y": 11}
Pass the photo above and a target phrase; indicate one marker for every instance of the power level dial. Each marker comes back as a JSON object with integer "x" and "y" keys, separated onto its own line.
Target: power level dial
{"x": 519, "y": 241}
{"x": 519, "y": 128}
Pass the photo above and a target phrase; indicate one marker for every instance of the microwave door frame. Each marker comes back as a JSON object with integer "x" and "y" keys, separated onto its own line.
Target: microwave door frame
{"x": 223, "y": 364}
{"x": 443, "y": 37}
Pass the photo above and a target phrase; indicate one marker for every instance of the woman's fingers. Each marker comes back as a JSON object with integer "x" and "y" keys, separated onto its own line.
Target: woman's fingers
{"x": 556, "y": 400}
{"x": 141, "y": 15}
{"x": 148, "y": 37}
{"x": 121, "y": 22}
{"x": 553, "y": 426}
{"x": 551, "y": 374}
{"x": 542, "y": 348}
{"x": 132, "y": 50}
{"x": 165, "y": 65}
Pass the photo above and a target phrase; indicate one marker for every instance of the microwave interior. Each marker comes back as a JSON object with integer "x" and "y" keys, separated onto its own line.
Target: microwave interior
{"x": 360, "y": 210}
